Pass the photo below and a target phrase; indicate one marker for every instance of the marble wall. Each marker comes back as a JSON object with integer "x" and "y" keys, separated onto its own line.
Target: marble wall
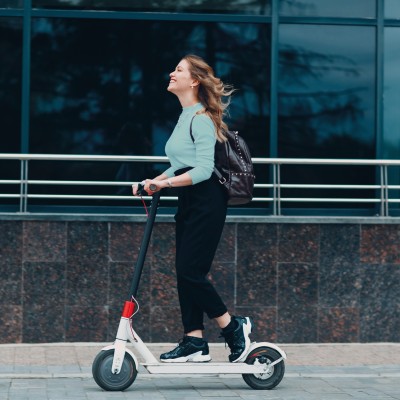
{"x": 67, "y": 281}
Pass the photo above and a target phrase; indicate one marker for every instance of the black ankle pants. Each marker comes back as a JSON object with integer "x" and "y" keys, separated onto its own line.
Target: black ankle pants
{"x": 199, "y": 223}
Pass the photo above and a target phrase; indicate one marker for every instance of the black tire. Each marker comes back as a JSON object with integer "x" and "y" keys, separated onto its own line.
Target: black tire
{"x": 264, "y": 355}
{"x": 101, "y": 370}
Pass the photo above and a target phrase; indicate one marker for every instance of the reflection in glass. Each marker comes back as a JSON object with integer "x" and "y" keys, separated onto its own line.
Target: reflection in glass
{"x": 326, "y": 98}
{"x": 111, "y": 98}
{"x": 10, "y": 102}
{"x": 392, "y": 94}
{"x": 391, "y": 101}
{"x": 328, "y": 8}
{"x": 253, "y": 7}
{"x": 392, "y": 9}
{"x": 10, "y": 84}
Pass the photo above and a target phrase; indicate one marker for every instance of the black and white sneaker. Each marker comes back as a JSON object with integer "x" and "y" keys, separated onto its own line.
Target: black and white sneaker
{"x": 238, "y": 338}
{"x": 189, "y": 349}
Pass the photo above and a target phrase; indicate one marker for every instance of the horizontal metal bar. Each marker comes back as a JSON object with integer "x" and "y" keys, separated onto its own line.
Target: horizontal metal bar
{"x": 326, "y": 200}
{"x": 256, "y": 160}
{"x": 263, "y": 185}
{"x": 262, "y": 199}
{"x": 324, "y": 161}
{"x": 85, "y": 183}
{"x": 10, "y": 182}
{"x": 93, "y": 197}
{"x": 70, "y": 157}
{"x": 312, "y": 186}
{"x": 10, "y": 196}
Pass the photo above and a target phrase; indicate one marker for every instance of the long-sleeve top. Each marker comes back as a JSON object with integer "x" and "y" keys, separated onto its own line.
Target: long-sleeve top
{"x": 183, "y": 152}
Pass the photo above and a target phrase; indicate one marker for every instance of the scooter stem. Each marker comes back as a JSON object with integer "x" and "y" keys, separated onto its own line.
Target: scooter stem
{"x": 144, "y": 245}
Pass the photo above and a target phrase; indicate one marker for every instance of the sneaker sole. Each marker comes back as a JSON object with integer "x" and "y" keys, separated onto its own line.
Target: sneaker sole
{"x": 195, "y": 357}
{"x": 247, "y": 328}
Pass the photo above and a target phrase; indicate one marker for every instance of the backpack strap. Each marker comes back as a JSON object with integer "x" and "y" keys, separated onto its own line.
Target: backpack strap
{"x": 191, "y": 122}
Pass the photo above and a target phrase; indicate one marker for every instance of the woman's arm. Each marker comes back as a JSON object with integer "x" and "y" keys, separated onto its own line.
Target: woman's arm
{"x": 163, "y": 181}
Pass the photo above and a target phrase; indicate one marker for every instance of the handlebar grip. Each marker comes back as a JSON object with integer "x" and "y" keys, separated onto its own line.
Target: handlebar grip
{"x": 140, "y": 189}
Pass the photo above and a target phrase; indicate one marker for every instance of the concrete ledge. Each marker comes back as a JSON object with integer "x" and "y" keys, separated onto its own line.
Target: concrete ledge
{"x": 169, "y": 218}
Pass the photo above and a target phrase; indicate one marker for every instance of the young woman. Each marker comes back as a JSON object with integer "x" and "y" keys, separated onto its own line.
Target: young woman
{"x": 202, "y": 205}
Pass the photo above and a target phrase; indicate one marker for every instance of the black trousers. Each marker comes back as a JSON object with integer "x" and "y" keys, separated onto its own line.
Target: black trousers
{"x": 199, "y": 223}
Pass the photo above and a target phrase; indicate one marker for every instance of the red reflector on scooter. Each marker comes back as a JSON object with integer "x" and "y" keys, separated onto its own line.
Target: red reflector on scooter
{"x": 129, "y": 308}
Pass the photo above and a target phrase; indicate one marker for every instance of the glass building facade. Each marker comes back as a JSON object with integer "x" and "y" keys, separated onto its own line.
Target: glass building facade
{"x": 315, "y": 79}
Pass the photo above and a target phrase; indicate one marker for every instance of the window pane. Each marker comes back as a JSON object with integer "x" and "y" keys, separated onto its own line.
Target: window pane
{"x": 392, "y": 9}
{"x": 392, "y": 94}
{"x": 10, "y": 84}
{"x": 10, "y": 105}
{"x": 328, "y": 8}
{"x": 112, "y": 99}
{"x": 391, "y": 138}
{"x": 327, "y": 99}
{"x": 11, "y": 4}
{"x": 253, "y": 7}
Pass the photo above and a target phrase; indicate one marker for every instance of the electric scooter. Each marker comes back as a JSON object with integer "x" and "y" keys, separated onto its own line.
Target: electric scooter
{"x": 115, "y": 368}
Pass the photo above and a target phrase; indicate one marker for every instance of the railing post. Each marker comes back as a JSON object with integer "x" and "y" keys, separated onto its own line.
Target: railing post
{"x": 276, "y": 189}
{"x": 384, "y": 191}
{"x": 273, "y": 189}
{"x": 23, "y": 199}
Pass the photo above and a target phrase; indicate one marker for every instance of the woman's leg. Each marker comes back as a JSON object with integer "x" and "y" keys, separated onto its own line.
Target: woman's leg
{"x": 200, "y": 221}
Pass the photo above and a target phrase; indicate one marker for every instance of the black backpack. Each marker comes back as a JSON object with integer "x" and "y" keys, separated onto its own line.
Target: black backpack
{"x": 233, "y": 167}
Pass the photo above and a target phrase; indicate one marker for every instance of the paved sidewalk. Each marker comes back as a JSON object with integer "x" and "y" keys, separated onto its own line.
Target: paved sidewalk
{"x": 313, "y": 372}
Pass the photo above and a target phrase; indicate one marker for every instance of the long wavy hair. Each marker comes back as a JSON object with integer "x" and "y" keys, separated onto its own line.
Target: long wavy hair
{"x": 213, "y": 93}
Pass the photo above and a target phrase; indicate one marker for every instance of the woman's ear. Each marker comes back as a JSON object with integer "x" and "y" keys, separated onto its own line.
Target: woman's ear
{"x": 194, "y": 83}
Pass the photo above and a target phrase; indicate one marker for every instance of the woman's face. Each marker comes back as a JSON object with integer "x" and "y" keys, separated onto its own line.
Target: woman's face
{"x": 180, "y": 79}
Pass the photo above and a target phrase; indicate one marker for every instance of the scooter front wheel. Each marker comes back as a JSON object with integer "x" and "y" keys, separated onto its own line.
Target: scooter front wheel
{"x": 106, "y": 379}
{"x": 273, "y": 376}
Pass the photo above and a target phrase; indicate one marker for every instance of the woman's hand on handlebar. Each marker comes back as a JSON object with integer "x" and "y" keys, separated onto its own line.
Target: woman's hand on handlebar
{"x": 150, "y": 186}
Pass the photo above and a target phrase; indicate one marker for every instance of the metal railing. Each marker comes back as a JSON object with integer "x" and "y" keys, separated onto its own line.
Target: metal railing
{"x": 381, "y": 189}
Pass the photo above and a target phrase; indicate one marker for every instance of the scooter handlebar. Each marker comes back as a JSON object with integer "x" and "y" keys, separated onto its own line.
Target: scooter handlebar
{"x": 140, "y": 189}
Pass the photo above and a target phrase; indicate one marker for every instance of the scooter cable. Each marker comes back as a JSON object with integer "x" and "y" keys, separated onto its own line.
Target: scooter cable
{"x": 144, "y": 206}
{"x": 136, "y": 308}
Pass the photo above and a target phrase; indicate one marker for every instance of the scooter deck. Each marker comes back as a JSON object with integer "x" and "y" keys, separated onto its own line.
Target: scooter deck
{"x": 208, "y": 368}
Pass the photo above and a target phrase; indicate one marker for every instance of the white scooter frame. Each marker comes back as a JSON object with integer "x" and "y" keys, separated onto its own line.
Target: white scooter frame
{"x": 116, "y": 366}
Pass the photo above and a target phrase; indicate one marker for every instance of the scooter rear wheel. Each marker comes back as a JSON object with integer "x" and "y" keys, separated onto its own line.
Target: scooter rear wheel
{"x": 270, "y": 379}
{"x": 101, "y": 370}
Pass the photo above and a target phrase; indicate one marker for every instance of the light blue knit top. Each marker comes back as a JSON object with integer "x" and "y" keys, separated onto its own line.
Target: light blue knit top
{"x": 181, "y": 150}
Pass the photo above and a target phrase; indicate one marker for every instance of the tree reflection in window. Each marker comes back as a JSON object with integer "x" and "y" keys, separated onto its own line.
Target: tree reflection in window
{"x": 328, "y": 8}
{"x": 326, "y": 100}
{"x": 99, "y": 87}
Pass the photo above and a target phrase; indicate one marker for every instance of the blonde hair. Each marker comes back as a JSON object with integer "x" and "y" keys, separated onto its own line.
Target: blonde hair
{"x": 211, "y": 93}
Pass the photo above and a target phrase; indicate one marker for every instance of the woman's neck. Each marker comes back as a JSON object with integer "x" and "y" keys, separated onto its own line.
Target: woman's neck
{"x": 188, "y": 100}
